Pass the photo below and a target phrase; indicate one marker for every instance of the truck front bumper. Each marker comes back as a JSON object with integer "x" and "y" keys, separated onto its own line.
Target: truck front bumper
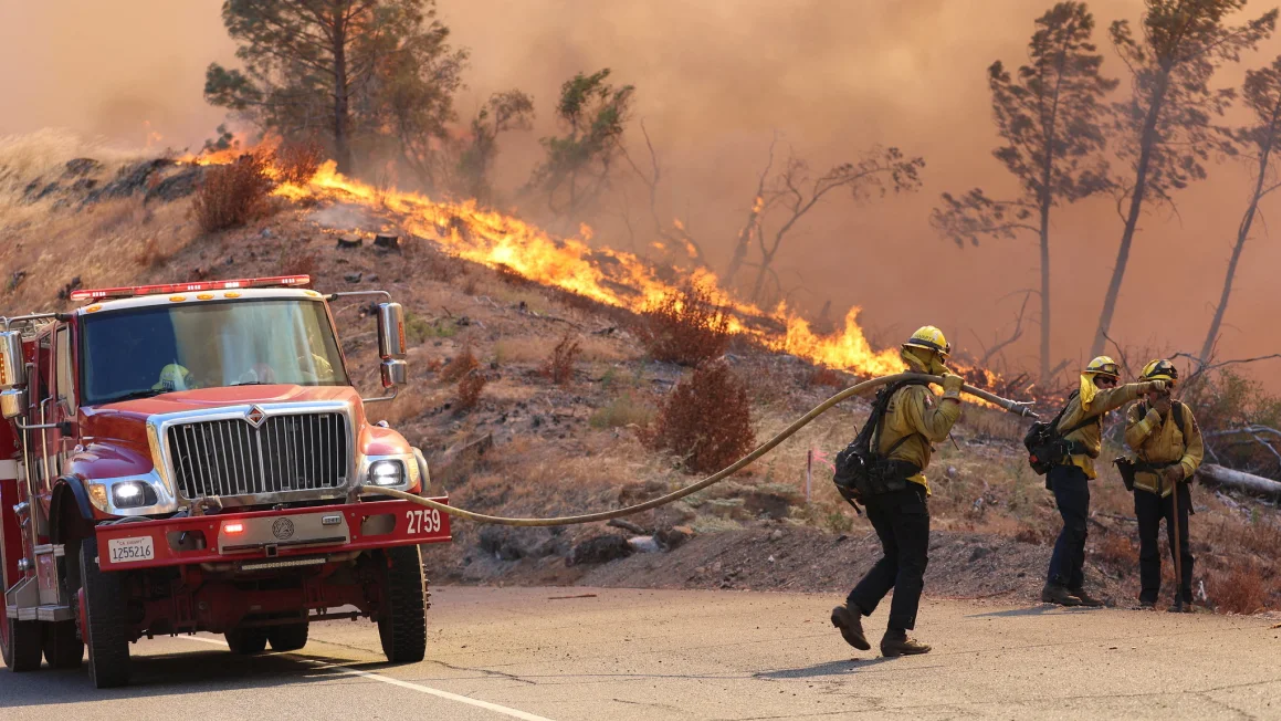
{"x": 264, "y": 540}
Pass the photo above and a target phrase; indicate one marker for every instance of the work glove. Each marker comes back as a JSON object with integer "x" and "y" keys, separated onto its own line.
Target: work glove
{"x": 1158, "y": 386}
{"x": 1173, "y": 474}
{"x": 952, "y": 386}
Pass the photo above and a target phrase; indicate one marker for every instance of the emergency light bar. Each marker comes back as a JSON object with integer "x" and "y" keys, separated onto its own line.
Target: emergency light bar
{"x": 137, "y": 290}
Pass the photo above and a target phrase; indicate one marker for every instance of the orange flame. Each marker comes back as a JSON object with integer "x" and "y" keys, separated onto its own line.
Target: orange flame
{"x": 608, "y": 276}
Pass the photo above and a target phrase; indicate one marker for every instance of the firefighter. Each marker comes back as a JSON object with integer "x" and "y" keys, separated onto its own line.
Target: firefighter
{"x": 174, "y": 377}
{"x": 1166, "y": 439}
{"x": 1081, "y": 426}
{"x": 914, "y": 419}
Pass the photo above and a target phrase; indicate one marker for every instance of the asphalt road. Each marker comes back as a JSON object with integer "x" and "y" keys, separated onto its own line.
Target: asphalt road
{"x": 547, "y": 653}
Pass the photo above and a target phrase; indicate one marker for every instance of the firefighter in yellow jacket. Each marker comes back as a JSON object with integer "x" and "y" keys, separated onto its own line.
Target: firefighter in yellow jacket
{"x": 914, "y": 419}
{"x": 1081, "y": 426}
{"x": 1167, "y": 444}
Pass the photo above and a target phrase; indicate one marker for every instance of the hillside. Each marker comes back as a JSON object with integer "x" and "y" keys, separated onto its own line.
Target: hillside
{"x": 533, "y": 447}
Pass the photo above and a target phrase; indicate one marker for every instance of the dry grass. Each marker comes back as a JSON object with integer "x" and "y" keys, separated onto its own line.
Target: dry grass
{"x": 686, "y": 327}
{"x": 624, "y": 410}
{"x": 707, "y": 420}
{"x": 43, "y": 155}
{"x": 522, "y": 349}
{"x": 1118, "y": 552}
{"x": 232, "y": 195}
{"x": 828, "y": 378}
{"x": 151, "y": 255}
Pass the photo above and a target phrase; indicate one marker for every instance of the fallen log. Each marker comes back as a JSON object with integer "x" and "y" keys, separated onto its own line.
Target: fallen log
{"x": 1240, "y": 480}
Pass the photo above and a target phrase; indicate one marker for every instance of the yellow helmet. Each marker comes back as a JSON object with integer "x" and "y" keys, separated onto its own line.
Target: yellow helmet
{"x": 1160, "y": 370}
{"x": 173, "y": 377}
{"x": 929, "y": 338}
{"x": 1103, "y": 366}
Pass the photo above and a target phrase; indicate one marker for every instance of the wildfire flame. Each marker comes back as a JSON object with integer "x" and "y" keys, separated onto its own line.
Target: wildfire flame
{"x": 608, "y": 276}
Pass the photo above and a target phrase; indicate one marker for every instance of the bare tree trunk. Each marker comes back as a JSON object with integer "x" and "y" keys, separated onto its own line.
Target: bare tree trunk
{"x": 1146, "y": 140}
{"x": 1045, "y": 290}
{"x": 342, "y": 147}
{"x": 1243, "y": 234}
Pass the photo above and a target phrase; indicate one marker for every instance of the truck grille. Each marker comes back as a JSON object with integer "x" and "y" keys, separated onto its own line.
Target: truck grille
{"x": 285, "y": 453}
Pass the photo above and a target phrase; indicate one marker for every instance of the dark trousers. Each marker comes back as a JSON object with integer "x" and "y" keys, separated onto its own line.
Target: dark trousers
{"x": 902, "y": 522}
{"x": 1072, "y": 495}
{"x": 1150, "y": 509}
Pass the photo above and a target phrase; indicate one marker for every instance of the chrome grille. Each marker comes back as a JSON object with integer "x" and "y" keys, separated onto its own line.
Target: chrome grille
{"x": 285, "y": 453}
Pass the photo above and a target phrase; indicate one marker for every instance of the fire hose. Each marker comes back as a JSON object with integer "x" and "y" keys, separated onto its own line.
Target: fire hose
{"x": 1019, "y": 408}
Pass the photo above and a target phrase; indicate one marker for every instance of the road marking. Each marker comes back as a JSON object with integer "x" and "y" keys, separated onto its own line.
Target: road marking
{"x": 347, "y": 670}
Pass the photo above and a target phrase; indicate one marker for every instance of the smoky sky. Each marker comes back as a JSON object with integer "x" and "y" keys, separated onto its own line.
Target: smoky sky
{"x": 716, "y": 80}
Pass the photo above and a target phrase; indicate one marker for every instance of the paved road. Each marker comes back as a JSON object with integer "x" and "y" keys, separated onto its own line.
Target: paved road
{"x": 625, "y": 654}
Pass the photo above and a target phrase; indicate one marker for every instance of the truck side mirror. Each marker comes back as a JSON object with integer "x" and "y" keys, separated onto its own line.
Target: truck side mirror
{"x": 394, "y": 372}
{"x": 391, "y": 331}
{"x": 13, "y": 375}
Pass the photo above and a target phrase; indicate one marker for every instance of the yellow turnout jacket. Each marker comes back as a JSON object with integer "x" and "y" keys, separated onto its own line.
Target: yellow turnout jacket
{"x": 915, "y": 411}
{"x": 1158, "y": 441}
{"x": 1087, "y": 441}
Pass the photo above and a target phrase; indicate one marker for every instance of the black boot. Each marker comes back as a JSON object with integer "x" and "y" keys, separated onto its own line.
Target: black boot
{"x": 895, "y": 643}
{"x": 851, "y": 625}
{"x": 1086, "y": 599}
{"x": 1054, "y": 593}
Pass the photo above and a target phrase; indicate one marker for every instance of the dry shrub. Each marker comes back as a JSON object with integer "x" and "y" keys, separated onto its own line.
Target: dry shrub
{"x": 1118, "y": 551}
{"x": 469, "y": 389}
{"x": 461, "y": 365}
{"x": 1239, "y": 590}
{"x": 828, "y": 377}
{"x": 560, "y": 366}
{"x": 151, "y": 255}
{"x": 298, "y": 160}
{"x": 232, "y": 195}
{"x": 707, "y": 420}
{"x": 685, "y": 327}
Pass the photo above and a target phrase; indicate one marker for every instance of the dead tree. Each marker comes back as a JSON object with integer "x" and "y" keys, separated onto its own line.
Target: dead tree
{"x": 1262, "y": 94}
{"x": 880, "y": 171}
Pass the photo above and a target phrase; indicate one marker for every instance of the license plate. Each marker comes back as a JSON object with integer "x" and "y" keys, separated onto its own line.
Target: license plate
{"x": 131, "y": 550}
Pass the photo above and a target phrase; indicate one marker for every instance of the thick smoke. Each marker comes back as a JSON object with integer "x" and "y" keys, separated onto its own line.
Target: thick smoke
{"x": 715, "y": 80}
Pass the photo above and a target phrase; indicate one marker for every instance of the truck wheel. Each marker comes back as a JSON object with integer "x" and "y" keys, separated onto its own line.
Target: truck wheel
{"x": 20, "y": 645}
{"x": 106, "y": 620}
{"x": 288, "y": 638}
{"x": 402, "y": 620}
{"x": 247, "y": 641}
{"x": 62, "y": 647}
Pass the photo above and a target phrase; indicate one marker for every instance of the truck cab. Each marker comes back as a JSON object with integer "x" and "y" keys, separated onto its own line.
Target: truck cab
{"x": 194, "y": 457}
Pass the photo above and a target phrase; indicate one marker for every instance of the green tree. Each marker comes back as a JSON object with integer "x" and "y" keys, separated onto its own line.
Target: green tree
{"x": 1257, "y": 141}
{"x": 593, "y": 114}
{"x": 341, "y": 66}
{"x": 1165, "y": 130}
{"x": 1050, "y": 115}
{"x": 511, "y": 110}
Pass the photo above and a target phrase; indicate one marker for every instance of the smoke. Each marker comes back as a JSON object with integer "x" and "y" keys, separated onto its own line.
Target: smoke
{"x": 715, "y": 81}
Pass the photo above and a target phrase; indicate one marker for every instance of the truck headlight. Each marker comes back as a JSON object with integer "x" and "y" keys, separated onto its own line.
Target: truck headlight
{"x": 133, "y": 494}
{"x": 387, "y": 473}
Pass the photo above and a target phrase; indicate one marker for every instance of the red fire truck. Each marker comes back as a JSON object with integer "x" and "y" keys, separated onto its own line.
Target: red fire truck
{"x": 194, "y": 457}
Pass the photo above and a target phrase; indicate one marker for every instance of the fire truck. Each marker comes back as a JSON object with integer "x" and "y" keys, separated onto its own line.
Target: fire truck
{"x": 194, "y": 458}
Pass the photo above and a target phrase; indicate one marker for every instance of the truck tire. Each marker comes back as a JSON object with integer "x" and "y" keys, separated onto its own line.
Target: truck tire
{"x": 288, "y": 638}
{"x": 62, "y": 646}
{"x": 20, "y": 645}
{"x": 402, "y": 620}
{"x": 247, "y": 641}
{"x": 106, "y": 620}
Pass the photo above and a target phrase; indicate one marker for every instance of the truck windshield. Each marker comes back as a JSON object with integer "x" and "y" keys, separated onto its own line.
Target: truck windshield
{"x": 154, "y": 350}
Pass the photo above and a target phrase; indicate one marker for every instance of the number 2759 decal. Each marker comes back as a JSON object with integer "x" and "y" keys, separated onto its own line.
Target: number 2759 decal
{"x": 423, "y": 521}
